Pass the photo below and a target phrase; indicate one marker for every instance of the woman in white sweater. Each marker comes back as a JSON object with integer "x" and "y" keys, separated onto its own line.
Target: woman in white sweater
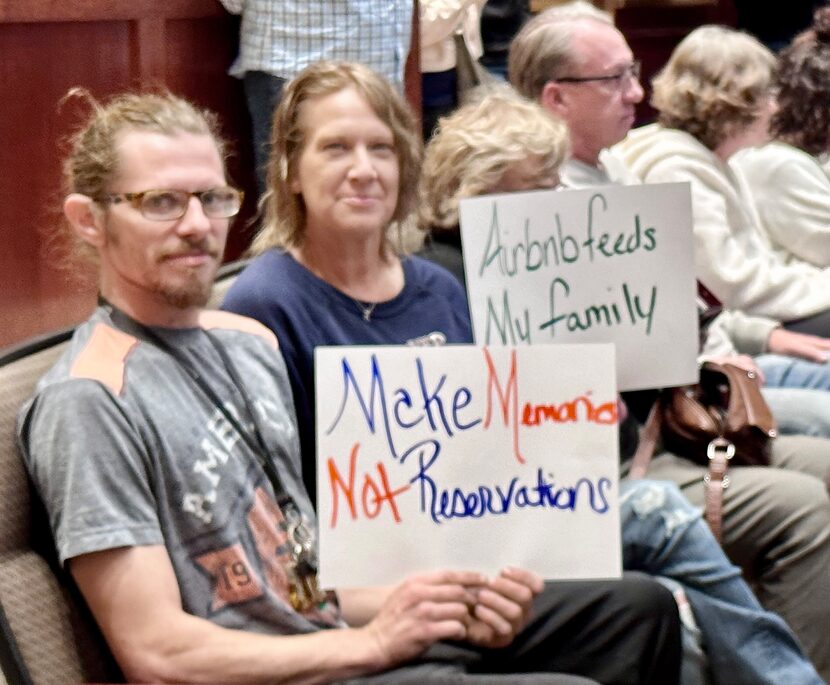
{"x": 714, "y": 99}
{"x": 789, "y": 186}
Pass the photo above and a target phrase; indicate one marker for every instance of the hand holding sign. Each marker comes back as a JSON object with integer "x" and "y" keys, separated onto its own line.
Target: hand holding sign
{"x": 503, "y": 607}
{"x": 422, "y": 610}
{"x": 466, "y": 458}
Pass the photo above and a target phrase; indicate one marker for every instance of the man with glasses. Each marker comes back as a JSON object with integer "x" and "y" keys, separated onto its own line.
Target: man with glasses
{"x": 164, "y": 446}
{"x": 776, "y": 520}
{"x": 576, "y": 64}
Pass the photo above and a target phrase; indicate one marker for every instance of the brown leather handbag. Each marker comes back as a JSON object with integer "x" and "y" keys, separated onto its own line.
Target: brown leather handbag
{"x": 723, "y": 418}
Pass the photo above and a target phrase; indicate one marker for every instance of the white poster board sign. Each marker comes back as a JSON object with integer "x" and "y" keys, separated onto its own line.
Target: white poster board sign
{"x": 611, "y": 264}
{"x": 466, "y": 457}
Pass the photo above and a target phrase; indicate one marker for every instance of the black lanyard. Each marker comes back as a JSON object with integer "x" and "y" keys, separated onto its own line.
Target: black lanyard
{"x": 256, "y": 443}
{"x": 304, "y": 591}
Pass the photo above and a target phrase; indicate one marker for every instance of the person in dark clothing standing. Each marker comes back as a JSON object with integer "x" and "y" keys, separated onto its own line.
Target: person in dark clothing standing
{"x": 500, "y": 21}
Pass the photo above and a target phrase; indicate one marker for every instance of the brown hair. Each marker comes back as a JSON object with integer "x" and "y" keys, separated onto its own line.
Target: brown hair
{"x": 92, "y": 161}
{"x": 803, "y": 84}
{"x": 715, "y": 84}
{"x": 285, "y": 215}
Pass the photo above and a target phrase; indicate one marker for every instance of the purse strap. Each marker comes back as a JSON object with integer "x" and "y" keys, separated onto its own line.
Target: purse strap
{"x": 647, "y": 443}
{"x": 719, "y": 451}
{"x": 716, "y": 480}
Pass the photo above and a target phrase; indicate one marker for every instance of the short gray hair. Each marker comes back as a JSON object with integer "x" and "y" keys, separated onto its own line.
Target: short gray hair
{"x": 542, "y": 50}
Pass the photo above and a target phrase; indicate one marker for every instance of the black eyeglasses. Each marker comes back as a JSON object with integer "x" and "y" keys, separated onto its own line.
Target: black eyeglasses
{"x": 619, "y": 80}
{"x": 166, "y": 205}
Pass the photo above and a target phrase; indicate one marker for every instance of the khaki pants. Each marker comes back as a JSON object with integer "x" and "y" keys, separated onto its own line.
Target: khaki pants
{"x": 776, "y": 526}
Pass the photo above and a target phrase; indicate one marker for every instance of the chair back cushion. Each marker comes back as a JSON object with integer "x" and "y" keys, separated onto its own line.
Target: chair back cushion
{"x": 48, "y": 634}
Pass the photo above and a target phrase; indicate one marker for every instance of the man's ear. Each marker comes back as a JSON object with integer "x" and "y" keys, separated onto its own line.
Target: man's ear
{"x": 86, "y": 219}
{"x": 553, "y": 99}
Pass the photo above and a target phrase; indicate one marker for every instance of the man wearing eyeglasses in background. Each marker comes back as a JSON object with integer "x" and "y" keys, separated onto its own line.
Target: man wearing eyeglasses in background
{"x": 575, "y": 63}
{"x": 776, "y": 520}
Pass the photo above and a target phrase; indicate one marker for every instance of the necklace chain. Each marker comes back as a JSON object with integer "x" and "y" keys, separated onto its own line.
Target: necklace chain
{"x": 366, "y": 308}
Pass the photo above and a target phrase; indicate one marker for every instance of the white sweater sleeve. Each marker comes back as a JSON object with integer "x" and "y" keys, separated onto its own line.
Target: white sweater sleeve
{"x": 439, "y": 19}
{"x": 731, "y": 258}
{"x": 792, "y": 195}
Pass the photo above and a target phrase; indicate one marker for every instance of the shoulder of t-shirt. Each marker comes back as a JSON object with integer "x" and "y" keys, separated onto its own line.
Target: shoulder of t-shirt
{"x": 212, "y": 319}
{"x": 104, "y": 354}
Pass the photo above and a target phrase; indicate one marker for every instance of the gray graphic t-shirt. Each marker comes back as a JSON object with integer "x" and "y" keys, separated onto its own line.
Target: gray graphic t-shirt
{"x": 125, "y": 450}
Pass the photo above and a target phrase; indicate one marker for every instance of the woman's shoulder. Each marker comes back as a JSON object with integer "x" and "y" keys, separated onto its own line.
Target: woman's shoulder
{"x": 655, "y": 153}
{"x": 424, "y": 272}
{"x": 268, "y": 279}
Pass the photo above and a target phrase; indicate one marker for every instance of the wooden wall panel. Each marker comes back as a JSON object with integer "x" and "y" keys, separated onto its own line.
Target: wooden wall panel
{"x": 40, "y": 61}
{"x": 48, "y": 46}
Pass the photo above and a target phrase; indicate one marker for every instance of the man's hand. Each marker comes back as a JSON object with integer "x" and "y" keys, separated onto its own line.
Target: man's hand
{"x": 742, "y": 361}
{"x": 809, "y": 347}
{"x": 503, "y": 607}
{"x": 423, "y": 610}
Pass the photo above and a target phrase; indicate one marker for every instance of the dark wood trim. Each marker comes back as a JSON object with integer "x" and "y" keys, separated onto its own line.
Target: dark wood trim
{"x": 412, "y": 71}
{"x": 19, "y": 11}
{"x": 147, "y": 49}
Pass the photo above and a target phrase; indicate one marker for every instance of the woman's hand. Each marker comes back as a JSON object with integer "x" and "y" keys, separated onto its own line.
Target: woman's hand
{"x": 452, "y": 605}
{"x": 809, "y": 347}
{"x": 503, "y": 607}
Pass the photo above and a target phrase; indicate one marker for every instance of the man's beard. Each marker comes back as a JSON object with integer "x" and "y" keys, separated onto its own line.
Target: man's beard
{"x": 194, "y": 291}
{"x": 187, "y": 296}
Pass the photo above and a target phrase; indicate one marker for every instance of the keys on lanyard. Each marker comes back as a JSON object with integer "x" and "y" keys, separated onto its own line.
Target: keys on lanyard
{"x": 303, "y": 587}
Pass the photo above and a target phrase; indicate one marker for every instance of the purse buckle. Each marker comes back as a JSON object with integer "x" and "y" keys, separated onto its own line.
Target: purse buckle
{"x": 720, "y": 446}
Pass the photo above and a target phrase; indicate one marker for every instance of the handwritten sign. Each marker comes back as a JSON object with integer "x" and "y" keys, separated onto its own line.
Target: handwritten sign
{"x": 611, "y": 264}
{"x": 466, "y": 457}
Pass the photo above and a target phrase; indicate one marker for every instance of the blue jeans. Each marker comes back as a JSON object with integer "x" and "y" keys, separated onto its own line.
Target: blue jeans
{"x": 783, "y": 371}
{"x": 664, "y": 535}
{"x": 798, "y": 392}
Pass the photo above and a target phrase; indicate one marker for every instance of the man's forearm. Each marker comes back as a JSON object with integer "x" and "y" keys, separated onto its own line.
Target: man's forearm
{"x": 133, "y": 595}
{"x": 197, "y": 651}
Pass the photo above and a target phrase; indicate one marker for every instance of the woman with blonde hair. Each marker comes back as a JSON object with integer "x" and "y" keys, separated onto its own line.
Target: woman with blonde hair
{"x": 499, "y": 144}
{"x": 714, "y": 97}
{"x": 786, "y": 178}
{"x": 342, "y": 179}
